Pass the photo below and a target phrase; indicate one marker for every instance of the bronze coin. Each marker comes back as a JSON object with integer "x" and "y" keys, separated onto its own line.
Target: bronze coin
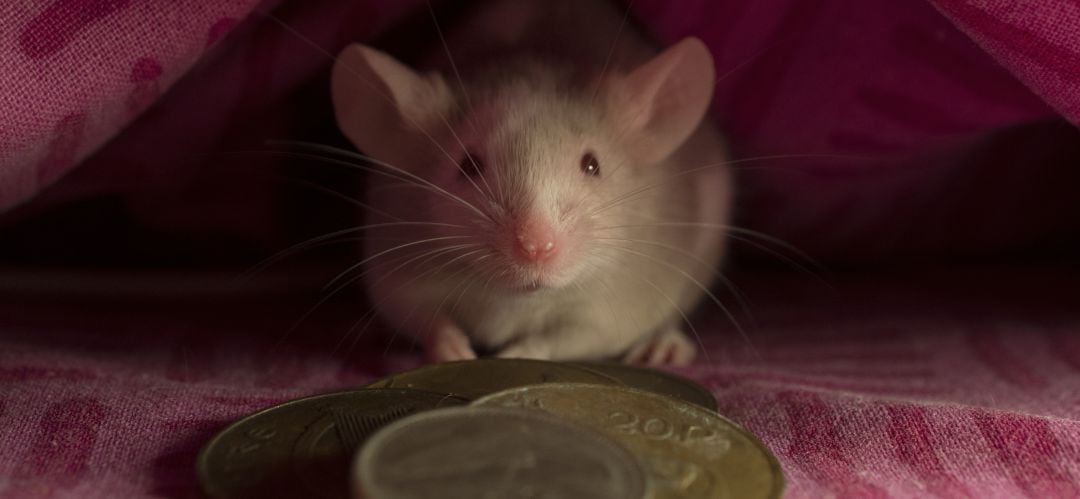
{"x": 656, "y": 381}
{"x": 471, "y": 379}
{"x": 303, "y": 448}
{"x": 688, "y": 451}
{"x": 481, "y": 452}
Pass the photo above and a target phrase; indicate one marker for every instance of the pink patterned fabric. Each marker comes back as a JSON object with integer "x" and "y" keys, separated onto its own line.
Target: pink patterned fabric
{"x": 946, "y": 383}
{"x": 880, "y": 112}
{"x": 75, "y": 72}
{"x": 911, "y": 114}
{"x": 870, "y": 134}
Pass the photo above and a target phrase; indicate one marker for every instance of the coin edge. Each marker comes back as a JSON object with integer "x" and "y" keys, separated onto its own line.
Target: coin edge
{"x": 201, "y": 468}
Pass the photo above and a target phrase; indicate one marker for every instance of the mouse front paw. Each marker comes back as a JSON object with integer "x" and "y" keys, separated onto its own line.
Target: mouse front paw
{"x": 446, "y": 342}
{"x": 666, "y": 347}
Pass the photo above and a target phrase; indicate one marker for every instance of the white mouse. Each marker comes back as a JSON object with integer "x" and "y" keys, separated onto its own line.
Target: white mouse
{"x": 559, "y": 201}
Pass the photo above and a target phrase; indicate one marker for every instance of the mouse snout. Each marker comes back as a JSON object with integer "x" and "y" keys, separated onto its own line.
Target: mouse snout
{"x": 537, "y": 240}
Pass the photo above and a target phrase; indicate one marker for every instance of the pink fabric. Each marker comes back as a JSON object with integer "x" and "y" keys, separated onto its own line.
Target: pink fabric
{"x": 946, "y": 383}
{"x": 890, "y": 114}
{"x": 74, "y": 72}
{"x": 897, "y": 131}
{"x": 883, "y": 112}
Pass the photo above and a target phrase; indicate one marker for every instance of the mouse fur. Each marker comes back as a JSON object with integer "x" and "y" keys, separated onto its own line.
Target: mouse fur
{"x": 546, "y": 205}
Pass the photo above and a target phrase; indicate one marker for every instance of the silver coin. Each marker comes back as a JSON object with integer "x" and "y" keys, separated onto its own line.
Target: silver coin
{"x": 494, "y": 452}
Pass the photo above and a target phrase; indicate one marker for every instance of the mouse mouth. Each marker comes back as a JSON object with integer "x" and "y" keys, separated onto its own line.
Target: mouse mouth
{"x": 531, "y": 277}
{"x": 525, "y": 284}
{"x": 530, "y": 282}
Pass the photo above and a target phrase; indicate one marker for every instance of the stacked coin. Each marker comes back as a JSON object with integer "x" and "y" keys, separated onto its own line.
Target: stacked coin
{"x": 533, "y": 429}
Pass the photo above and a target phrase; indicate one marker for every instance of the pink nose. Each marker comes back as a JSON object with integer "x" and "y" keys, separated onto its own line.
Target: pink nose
{"x": 536, "y": 241}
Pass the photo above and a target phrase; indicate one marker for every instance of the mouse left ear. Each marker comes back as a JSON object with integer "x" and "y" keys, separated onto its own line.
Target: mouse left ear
{"x": 379, "y": 102}
{"x": 664, "y": 100}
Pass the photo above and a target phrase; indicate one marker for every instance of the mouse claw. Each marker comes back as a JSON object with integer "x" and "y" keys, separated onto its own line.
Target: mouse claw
{"x": 447, "y": 343}
{"x": 668, "y": 347}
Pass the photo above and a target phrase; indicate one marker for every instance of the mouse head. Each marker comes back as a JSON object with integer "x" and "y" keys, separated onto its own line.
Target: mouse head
{"x": 536, "y": 164}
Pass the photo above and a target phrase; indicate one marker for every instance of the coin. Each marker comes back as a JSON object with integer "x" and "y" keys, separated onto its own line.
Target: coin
{"x": 303, "y": 448}
{"x": 494, "y": 452}
{"x": 688, "y": 451}
{"x": 656, "y": 381}
{"x": 471, "y": 379}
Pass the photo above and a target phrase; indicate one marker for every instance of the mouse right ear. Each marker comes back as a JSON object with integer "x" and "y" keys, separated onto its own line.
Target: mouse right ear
{"x": 377, "y": 100}
{"x": 660, "y": 103}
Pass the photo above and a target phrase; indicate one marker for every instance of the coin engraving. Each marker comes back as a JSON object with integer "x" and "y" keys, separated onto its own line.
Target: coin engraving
{"x": 262, "y": 433}
{"x": 656, "y": 381}
{"x": 689, "y": 452}
{"x": 352, "y": 428}
{"x": 659, "y": 428}
{"x": 245, "y": 448}
{"x": 303, "y": 448}
{"x": 521, "y": 400}
{"x": 681, "y": 475}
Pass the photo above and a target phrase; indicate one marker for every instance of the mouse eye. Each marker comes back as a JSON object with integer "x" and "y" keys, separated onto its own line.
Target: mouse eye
{"x": 589, "y": 165}
{"x": 471, "y": 165}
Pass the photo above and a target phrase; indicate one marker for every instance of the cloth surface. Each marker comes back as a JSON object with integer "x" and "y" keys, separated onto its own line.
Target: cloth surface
{"x": 849, "y": 120}
{"x": 946, "y": 383}
{"x": 869, "y": 134}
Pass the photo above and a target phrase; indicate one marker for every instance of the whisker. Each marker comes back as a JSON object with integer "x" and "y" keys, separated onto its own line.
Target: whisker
{"x": 327, "y": 239}
{"x": 428, "y": 329}
{"x": 374, "y": 308}
{"x": 374, "y": 87}
{"x": 362, "y": 157}
{"x": 435, "y": 271}
{"x": 753, "y": 57}
{"x": 729, "y": 229}
{"x": 611, "y": 293}
{"x": 624, "y": 197}
{"x": 611, "y": 50}
{"x": 702, "y": 287}
{"x": 465, "y": 150}
{"x": 342, "y": 196}
{"x": 468, "y": 282}
{"x": 453, "y": 308}
{"x": 364, "y": 319}
{"x": 326, "y": 297}
{"x": 739, "y": 295}
{"x": 781, "y": 243}
{"x": 686, "y": 319}
{"x": 611, "y": 172}
{"x": 449, "y": 56}
{"x": 468, "y": 101}
{"x": 361, "y": 263}
{"x": 416, "y": 181}
{"x": 432, "y": 253}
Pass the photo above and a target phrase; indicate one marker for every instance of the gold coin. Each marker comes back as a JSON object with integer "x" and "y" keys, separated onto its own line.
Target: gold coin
{"x": 494, "y": 452}
{"x": 472, "y": 379}
{"x": 656, "y": 381}
{"x": 303, "y": 448}
{"x": 688, "y": 451}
